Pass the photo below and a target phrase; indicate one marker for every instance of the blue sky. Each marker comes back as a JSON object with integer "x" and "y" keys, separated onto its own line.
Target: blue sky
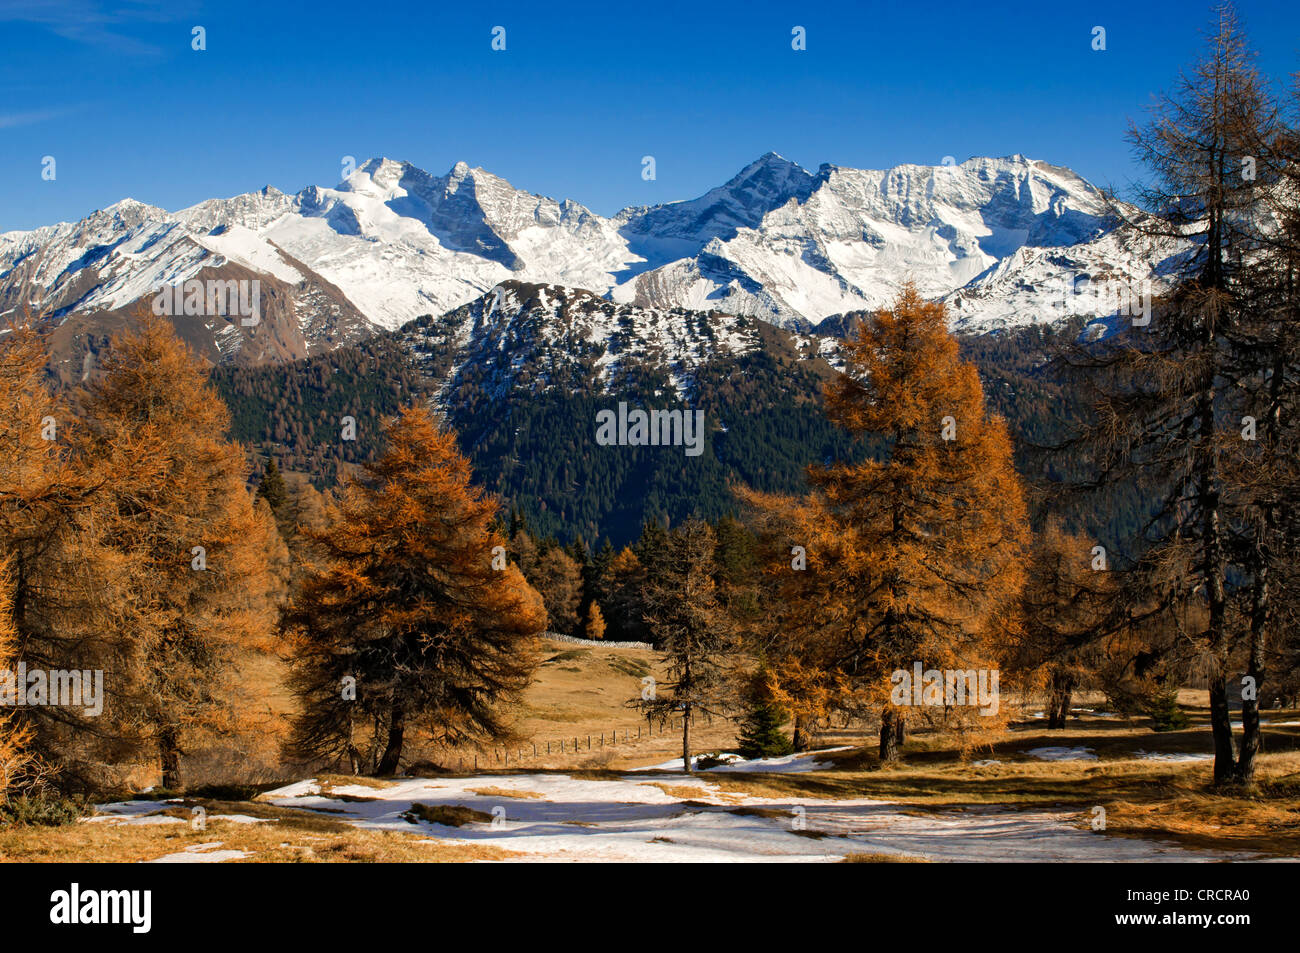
{"x": 114, "y": 92}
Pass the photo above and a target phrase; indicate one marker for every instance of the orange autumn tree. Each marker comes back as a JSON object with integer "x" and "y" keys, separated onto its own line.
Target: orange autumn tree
{"x": 59, "y": 586}
{"x": 1070, "y": 636}
{"x": 915, "y": 553}
{"x": 196, "y": 595}
{"x": 14, "y": 757}
{"x": 415, "y": 619}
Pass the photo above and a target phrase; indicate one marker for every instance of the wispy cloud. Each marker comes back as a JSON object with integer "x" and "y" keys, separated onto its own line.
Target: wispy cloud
{"x": 96, "y": 23}
{"x": 10, "y": 120}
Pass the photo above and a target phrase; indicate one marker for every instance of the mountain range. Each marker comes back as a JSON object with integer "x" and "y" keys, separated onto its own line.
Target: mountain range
{"x": 994, "y": 237}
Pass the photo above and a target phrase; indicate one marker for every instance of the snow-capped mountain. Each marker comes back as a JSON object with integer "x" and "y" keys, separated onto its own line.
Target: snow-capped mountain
{"x": 996, "y": 237}
{"x": 538, "y": 337}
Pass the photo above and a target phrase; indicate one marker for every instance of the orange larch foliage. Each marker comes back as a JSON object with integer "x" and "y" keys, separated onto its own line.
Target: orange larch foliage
{"x": 912, "y": 553}
{"x": 414, "y": 600}
{"x": 192, "y": 551}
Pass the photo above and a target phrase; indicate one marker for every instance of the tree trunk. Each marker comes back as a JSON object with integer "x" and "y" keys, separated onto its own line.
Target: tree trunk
{"x": 1058, "y": 706}
{"x": 393, "y": 750}
{"x": 1250, "y": 736}
{"x": 1213, "y": 554}
{"x": 1261, "y": 595}
{"x": 686, "y": 739}
{"x": 169, "y": 757}
{"x": 801, "y": 741}
{"x": 354, "y": 756}
{"x": 1225, "y": 762}
{"x": 890, "y": 735}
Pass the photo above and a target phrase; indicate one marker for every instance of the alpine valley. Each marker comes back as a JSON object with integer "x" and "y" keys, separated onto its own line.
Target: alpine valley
{"x": 524, "y": 316}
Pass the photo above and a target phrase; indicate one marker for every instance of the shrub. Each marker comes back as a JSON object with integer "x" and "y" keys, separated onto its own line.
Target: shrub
{"x": 42, "y": 809}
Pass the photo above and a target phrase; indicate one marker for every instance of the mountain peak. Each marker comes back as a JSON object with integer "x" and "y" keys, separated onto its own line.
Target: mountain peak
{"x": 773, "y": 166}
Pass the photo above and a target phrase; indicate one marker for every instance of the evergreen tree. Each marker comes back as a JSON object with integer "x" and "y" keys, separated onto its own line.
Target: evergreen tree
{"x": 272, "y": 489}
{"x": 762, "y": 733}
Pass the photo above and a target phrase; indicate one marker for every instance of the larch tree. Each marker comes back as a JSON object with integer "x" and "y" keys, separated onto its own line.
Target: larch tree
{"x": 1066, "y": 633}
{"x": 14, "y": 757}
{"x": 61, "y": 588}
{"x": 414, "y": 619}
{"x": 624, "y": 607}
{"x": 558, "y": 578}
{"x": 914, "y": 554}
{"x": 691, "y": 627}
{"x": 1168, "y": 397}
{"x": 594, "y": 627}
{"x": 190, "y": 545}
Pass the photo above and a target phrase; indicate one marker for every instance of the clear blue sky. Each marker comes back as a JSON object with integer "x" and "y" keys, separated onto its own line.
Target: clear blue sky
{"x": 283, "y": 91}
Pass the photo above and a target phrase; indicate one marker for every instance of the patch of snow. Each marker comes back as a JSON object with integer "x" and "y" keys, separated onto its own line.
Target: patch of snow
{"x": 200, "y": 854}
{"x": 1062, "y": 754}
{"x": 1177, "y": 756}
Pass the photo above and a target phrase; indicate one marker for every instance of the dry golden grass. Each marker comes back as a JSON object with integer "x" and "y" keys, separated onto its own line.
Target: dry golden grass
{"x": 683, "y": 791}
{"x": 882, "y": 859}
{"x": 287, "y": 836}
{"x": 580, "y": 693}
{"x": 329, "y": 782}
{"x": 506, "y": 792}
{"x": 449, "y": 815}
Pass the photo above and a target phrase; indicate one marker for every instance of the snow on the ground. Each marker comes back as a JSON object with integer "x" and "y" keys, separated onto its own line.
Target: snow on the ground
{"x": 1171, "y": 756}
{"x": 1062, "y": 754}
{"x": 786, "y": 764}
{"x": 789, "y": 764}
{"x": 135, "y": 819}
{"x": 632, "y": 818}
{"x": 200, "y": 854}
{"x": 148, "y": 812}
